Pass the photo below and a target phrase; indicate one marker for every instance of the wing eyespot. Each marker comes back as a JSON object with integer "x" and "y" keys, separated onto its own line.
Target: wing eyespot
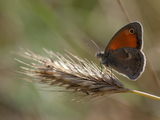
{"x": 131, "y": 31}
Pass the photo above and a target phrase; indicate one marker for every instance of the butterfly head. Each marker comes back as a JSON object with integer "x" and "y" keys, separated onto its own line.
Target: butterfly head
{"x": 104, "y": 58}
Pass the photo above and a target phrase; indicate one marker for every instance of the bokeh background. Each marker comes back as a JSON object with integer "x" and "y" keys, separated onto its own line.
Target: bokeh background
{"x": 61, "y": 25}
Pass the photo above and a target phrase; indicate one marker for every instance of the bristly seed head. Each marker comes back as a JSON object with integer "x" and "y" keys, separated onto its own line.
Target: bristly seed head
{"x": 71, "y": 72}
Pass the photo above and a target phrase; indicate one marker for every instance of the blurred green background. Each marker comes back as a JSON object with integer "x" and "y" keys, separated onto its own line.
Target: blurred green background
{"x": 61, "y": 25}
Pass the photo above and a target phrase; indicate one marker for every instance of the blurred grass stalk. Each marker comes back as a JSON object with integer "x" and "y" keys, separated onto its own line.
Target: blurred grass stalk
{"x": 75, "y": 74}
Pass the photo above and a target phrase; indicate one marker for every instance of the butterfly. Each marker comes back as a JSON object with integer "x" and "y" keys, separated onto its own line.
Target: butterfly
{"x": 124, "y": 51}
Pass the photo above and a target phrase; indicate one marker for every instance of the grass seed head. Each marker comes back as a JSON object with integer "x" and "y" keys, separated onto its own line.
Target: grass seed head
{"x": 71, "y": 72}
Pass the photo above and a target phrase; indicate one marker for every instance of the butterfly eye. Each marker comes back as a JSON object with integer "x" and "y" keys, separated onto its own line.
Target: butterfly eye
{"x": 132, "y": 31}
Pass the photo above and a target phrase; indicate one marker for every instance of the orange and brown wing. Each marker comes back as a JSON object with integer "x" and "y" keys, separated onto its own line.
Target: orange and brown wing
{"x": 130, "y": 36}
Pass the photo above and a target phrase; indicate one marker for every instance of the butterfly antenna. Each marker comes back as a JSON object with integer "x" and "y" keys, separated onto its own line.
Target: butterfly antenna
{"x": 98, "y": 51}
{"x": 97, "y": 47}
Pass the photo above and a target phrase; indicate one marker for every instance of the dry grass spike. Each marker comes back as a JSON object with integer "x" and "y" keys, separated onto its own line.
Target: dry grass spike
{"x": 71, "y": 72}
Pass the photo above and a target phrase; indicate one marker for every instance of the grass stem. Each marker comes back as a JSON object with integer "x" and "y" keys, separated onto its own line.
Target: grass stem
{"x": 145, "y": 94}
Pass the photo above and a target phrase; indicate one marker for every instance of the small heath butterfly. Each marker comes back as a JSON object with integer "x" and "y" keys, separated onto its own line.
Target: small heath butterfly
{"x": 124, "y": 51}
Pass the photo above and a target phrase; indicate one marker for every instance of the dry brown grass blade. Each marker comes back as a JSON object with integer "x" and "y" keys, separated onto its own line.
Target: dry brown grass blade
{"x": 123, "y": 10}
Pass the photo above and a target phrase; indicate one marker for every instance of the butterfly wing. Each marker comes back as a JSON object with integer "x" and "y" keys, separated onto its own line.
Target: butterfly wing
{"x": 128, "y": 61}
{"x": 128, "y": 36}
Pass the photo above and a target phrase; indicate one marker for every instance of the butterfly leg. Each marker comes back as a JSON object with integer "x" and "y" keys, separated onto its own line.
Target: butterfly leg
{"x": 101, "y": 68}
{"x": 111, "y": 73}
